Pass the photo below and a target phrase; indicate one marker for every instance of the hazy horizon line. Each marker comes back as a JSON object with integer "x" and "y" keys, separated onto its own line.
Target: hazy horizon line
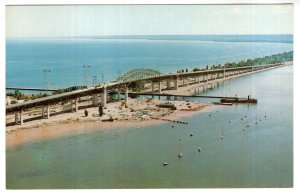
{"x": 148, "y": 35}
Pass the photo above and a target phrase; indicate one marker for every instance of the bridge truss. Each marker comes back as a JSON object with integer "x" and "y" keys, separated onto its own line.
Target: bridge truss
{"x": 138, "y": 74}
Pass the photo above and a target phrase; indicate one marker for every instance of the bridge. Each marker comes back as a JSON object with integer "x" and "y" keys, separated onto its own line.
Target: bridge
{"x": 29, "y": 89}
{"x": 124, "y": 83}
{"x": 138, "y": 74}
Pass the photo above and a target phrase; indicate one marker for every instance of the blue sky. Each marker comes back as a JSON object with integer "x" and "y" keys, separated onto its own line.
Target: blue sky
{"x": 98, "y": 20}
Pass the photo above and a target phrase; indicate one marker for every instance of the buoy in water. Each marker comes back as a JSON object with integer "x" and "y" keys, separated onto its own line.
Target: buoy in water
{"x": 173, "y": 126}
{"x": 180, "y": 155}
{"x": 199, "y": 149}
{"x": 191, "y": 135}
{"x": 180, "y": 139}
{"x": 222, "y": 137}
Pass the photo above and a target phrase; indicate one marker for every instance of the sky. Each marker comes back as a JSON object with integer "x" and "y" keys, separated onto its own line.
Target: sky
{"x": 101, "y": 20}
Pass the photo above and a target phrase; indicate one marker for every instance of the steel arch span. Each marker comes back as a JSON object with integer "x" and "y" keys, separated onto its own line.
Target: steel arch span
{"x": 138, "y": 74}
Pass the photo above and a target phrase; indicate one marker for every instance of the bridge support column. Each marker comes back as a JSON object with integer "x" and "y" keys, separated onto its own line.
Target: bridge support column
{"x": 21, "y": 117}
{"x": 95, "y": 99}
{"x": 176, "y": 83}
{"x": 153, "y": 86}
{"x": 186, "y": 81}
{"x": 119, "y": 95}
{"x": 168, "y": 84}
{"x": 16, "y": 118}
{"x": 76, "y": 104}
{"x": 207, "y": 78}
{"x": 159, "y": 87}
{"x": 199, "y": 79}
{"x": 103, "y": 96}
{"x": 43, "y": 112}
{"x": 126, "y": 94}
{"x": 48, "y": 111}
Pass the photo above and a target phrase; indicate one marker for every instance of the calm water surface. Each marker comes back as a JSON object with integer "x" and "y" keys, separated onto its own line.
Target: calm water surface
{"x": 259, "y": 156}
{"x": 26, "y": 59}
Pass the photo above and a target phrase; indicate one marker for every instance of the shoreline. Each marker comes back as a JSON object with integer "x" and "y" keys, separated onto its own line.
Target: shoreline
{"x": 67, "y": 126}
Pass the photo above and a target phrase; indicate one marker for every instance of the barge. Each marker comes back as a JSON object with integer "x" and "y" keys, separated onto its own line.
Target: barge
{"x": 239, "y": 100}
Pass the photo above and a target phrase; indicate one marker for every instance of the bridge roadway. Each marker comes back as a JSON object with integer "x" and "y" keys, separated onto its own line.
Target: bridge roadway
{"x": 29, "y": 89}
{"x": 73, "y": 96}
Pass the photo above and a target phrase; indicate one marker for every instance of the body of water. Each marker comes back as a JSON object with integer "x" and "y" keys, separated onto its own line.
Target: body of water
{"x": 250, "y": 155}
{"x": 257, "y": 149}
{"x": 107, "y": 58}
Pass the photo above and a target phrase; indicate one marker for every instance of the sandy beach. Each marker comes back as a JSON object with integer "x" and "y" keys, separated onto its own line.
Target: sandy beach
{"x": 138, "y": 114}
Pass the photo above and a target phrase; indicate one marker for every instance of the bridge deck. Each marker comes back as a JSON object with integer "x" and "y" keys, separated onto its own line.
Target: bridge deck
{"x": 84, "y": 92}
{"x": 52, "y": 99}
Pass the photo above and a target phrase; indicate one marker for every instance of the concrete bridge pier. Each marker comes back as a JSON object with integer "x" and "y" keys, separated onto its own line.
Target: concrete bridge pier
{"x": 103, "y": 96}
{"x": 153, "y": 86}
{"x": 76, "y": 104}
{"x": 19, "y": 117}
{"x": 48, "y": 111}
{"x": 168, "y": 84}
{"x": 185, "y": 81}
{"x": 159, "y": 87}
{"x": 119, "y": 94}
{"x": 176, "y": 83}
{"x": 16, "y": 118}
{"x": 95, "y": 99}
{"x": 43, "y": 112}
{"x": 126, "y": 94}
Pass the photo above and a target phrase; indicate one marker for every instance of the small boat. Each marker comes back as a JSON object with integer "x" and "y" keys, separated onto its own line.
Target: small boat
{"x": 180, "y": 155}
{"x": 180, "y": 139}
{"x": 165, "y": 163}
{"x": 222, "y": 136}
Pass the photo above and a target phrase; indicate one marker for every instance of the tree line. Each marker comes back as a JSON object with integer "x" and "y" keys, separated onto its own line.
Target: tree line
{"x": 272, "y": 59}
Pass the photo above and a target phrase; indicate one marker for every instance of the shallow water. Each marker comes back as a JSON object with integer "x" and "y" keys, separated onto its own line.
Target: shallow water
{"x": 261, "y": 155}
